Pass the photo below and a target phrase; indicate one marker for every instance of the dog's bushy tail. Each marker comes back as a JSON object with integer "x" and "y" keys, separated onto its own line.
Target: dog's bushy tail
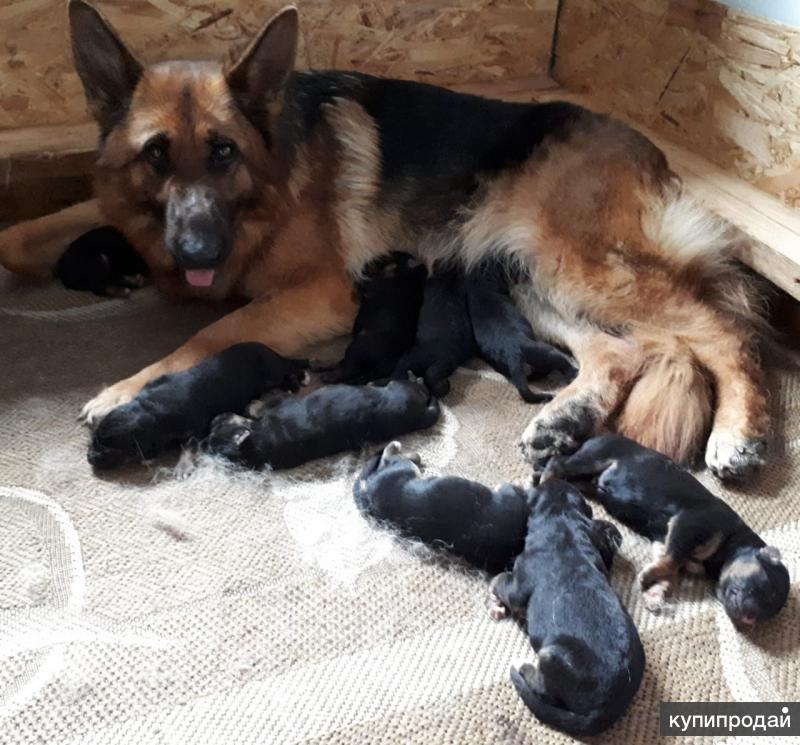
{"x": 669, "y": 407}
{"x": 671, "y": 404}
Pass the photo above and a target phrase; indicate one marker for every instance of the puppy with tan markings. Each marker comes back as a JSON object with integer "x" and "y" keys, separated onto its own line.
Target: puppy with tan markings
{"x": 589, "y": 658}
{"x": 483, "y": 526}
{"x": 700, "y": 532}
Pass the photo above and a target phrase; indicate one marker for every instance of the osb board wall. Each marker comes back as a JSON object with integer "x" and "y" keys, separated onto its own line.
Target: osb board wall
{"x": 433, "y": 40}
{"x": 723, "y": 83}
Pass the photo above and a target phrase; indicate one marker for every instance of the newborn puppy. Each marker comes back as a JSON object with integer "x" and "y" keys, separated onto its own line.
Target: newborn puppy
{"x": 103, "y": 262}
{"x": 485, "y": 527}
{"x": 503, "y": 336}
{"x": 173, "y": 408}
{"x": 386, "y": 322}
{"x": 329, "y": 420}
{"x": 589, "y": 659}
{"x": 444, "y": 334}
{"x": 653, "y": 496}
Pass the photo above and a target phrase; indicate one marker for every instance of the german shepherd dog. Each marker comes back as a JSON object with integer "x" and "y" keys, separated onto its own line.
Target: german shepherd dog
{"x": 250, "y": 179}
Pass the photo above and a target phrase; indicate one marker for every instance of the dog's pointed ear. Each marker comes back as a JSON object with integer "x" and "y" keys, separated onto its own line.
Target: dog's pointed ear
{"x": 108, "y": 70}
{"x": 258, "y": 76}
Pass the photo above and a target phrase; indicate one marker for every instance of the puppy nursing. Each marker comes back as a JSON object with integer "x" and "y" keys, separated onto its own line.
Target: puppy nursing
{"x": 386, "y": 322}
{"x": 444, "y": 339}
{"x": 648, "y": 492}
{"x": 504, "y": 337}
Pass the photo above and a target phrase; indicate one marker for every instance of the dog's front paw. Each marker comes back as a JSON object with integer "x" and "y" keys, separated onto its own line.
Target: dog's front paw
{"x": 108, "y": 399}
{"x": 228, "y": 433}
{"x": 732, "y": 456}
{"x": 558, "y": 430}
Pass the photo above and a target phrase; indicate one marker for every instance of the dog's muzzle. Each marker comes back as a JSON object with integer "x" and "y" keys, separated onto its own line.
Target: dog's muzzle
{"x": 197, "y": 233}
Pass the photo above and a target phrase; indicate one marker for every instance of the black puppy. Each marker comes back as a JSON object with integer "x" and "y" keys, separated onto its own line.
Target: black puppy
{"x": 173, "y": 408}
{"x": 503, "y": 336}
{"x": 485, "y": 527}
{"x": 590, "y": 659}
{"x": 444, "y": 334}
{"x": 329, "y": 420}
{"x": 386, "y": 323}
{"x": 102, "y": 261}
{"x": 652, "y": 495}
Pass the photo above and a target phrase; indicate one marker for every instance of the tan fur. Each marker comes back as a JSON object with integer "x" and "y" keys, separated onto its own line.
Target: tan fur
{"x": 33, "y": 247}
{"x": 669, "y": 407}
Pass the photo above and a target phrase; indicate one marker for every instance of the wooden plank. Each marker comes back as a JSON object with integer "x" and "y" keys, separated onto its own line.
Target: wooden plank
{"x": 715, "y": 80}
{"x": 439, "y": 41}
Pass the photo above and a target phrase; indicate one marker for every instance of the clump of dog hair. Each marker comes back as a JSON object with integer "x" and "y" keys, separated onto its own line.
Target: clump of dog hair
{"x": 170, "y": 522}
{"x": 36, "y": 579}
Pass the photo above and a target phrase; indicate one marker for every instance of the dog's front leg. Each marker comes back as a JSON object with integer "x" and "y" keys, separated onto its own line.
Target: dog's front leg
{"x": 33, "y": 247}
{"x": 286, "y": 322}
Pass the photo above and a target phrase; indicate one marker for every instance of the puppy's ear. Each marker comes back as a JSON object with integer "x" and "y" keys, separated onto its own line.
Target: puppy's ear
{"x": 259, "y": 75}
{"x": 107, "y": 69}
{"x": 770, "y": 554}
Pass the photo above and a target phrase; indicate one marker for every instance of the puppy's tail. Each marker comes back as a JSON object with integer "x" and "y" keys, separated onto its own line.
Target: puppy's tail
{"x": 669, "y": 407}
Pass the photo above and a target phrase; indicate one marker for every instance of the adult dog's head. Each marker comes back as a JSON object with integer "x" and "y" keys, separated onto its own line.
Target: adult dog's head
{"x": 185, "y": 147}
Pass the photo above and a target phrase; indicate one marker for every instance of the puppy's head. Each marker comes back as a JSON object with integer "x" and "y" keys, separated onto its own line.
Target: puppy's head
{"x": 230, "y": 437}
{"x": 126, "y": 434}
{"x": 754, "y": 586}
{"x": 557, "y": 495}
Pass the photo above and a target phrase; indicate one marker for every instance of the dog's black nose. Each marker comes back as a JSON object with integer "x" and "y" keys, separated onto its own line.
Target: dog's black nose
{"x": 199, "y": 250}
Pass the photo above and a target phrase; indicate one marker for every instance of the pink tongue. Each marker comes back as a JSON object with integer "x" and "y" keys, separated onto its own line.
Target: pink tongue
{"x": 200, "y": 277}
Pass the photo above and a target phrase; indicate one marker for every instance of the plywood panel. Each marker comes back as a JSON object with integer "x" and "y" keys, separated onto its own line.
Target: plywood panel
{"x": 434, "y": 40}
{"x": 721, "y": 82}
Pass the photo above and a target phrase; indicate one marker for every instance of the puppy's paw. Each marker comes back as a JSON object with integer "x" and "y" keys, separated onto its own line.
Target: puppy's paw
{"x": 733, "y": 456}
{"x": 558, "y": 430}
{"x": 655, "y": 597}
{"x": 108, "y": 399}
{"x": 496, "y": 610}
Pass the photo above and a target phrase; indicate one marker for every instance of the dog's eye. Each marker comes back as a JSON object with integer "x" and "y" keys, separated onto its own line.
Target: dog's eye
{"x": 223, "y": 153}
{"x": 155, "y": 152}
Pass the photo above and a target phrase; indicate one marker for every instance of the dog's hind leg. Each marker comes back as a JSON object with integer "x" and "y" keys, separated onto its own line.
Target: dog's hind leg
{"x": 737, "y": 443}
{"x": 33, "y": 247}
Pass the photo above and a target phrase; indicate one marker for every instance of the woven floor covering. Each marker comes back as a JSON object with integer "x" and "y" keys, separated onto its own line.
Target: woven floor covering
{"x": 196, "y": 604}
